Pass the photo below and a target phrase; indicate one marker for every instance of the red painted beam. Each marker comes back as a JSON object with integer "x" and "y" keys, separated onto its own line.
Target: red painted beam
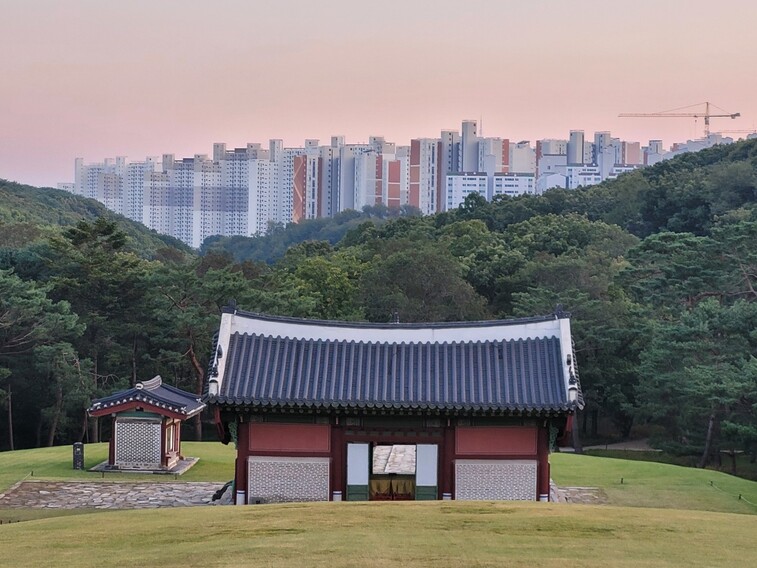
{"x": 133, "y": 404}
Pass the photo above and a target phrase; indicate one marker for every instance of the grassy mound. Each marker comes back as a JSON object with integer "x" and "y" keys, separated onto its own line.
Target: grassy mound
{"x": 433, "y": 534}
{"x": 649, "y": 484}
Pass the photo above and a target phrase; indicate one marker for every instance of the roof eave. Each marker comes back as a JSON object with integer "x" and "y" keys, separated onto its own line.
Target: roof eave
{"x": 246, "y": 405}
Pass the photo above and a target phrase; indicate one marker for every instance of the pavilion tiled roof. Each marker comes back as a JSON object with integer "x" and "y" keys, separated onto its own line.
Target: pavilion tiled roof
{"x": 155, "y": 393}
{"x": 516, "y": 375}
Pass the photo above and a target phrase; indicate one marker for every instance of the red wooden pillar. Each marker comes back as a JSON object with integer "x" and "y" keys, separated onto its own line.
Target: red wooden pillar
{"x": 338, "y": 466}
{"x": 243, "y": 451}
{"x": 542, "y": 491}
{"x": 447, "y": 463}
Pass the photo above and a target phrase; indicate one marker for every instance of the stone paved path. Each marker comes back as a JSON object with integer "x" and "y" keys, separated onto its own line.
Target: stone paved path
{"x": 631, "y": 446}
{"x": 399, "y": 458}
{"x": 108, "y": 495}
{"x": 577, "y": 495}
{"x": 129, "y": 495}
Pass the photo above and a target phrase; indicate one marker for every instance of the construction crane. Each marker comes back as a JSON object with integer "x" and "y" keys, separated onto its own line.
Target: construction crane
{"x": 674, "y": 113}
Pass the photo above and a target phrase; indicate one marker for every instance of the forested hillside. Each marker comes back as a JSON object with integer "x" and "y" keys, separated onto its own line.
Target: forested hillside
{"x": 273, "y": 245}
{"x": 658, "y": 268}
{"x": 27, "y": 212}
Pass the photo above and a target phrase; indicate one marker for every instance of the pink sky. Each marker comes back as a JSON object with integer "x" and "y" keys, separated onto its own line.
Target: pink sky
{"x": 99, "y": 78}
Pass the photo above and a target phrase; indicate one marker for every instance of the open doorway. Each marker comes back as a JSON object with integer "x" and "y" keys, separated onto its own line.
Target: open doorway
{"x": 383, "y": 471}
{"x": 393, "y": 470}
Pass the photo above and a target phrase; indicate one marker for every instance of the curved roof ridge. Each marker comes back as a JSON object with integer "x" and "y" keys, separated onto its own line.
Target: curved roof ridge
{"x": 388, "y": 341}
{"x": 375, "y": 334}
{"x": 390, "y": 325}
{"x": 149, "y": 385}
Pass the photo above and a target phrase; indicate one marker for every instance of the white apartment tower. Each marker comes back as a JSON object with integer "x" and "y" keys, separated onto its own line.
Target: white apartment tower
{"x": 448, "y": 156}
{"x": 493, "y": 155}
{"x": 368, "y": 180}
{"x": 522, "y": 158}
{"x": 461, "y": 185}
{"x": 262, "y": 188}
{"x": 602, "y": 140}
{"x": 134, "y": 181}
{"x": 424, "y": 174}
{"x": 346, "y": 184}
{"x": 469, "y": 147}
{"x": 512, "y": 185}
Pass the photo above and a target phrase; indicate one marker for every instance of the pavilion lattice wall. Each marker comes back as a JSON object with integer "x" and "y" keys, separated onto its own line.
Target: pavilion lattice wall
{"x": 138, "y": 444}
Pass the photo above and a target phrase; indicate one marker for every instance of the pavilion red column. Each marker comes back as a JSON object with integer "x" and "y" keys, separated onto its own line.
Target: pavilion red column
{"x": 163, "y": 448}
{"x": 112, "y": 444}
{"x": 543, "y": 467}
{"x": 177, "y": 437}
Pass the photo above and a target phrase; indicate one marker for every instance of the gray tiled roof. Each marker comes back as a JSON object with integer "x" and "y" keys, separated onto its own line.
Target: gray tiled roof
{"x": 521, "y": 375}
{"x": 156, "y": 393}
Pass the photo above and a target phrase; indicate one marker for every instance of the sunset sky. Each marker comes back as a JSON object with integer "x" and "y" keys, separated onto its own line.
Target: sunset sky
{"x": 100, "y": 78}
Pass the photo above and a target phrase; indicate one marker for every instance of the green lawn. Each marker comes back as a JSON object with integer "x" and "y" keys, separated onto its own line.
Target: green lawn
{"x": 645, "y": 484}
{"x": 744, "y": 466}
{"x": 403, "y": 534}
{"x": 648, "y": 484}
{"x": 216, "y": 464}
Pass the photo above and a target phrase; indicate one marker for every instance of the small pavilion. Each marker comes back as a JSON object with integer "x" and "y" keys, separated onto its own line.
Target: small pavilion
{"x": 146, "y": 425}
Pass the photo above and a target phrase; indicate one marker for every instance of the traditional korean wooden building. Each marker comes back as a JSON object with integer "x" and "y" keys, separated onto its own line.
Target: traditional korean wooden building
{"x": 146, "y": 431}
{"x": 312, "y": 405}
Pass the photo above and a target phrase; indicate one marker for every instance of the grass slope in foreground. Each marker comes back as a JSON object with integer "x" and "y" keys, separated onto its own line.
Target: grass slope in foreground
{"x": 427, "y": 534}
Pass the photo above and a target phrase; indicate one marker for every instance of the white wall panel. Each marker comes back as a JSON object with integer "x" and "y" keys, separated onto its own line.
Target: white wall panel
{"x": 357, "y": 464}
{"x": 427, "y": 464}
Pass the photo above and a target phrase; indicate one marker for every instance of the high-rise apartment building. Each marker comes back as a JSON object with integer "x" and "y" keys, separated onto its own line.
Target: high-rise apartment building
{"x": 461, "y": 185}
{"x": 576, "y": 155}
{"x": 347, "y": 156}
{"x": 448, "y": 156}
{"x": 134, "y": 187}
{"x": 424, "y": 174}
{"x": 493, "y": 155}
{"x": 468, "y": 149}
{"x": 369, "y": 178}
{"x": 522, "y": 158}
{"x": 512, "y": 185}
{"x": 602, "y": 141}
{"x": 631, "y": 154}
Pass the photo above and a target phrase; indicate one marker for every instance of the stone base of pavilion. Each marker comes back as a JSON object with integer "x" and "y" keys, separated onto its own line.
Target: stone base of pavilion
{"x": 181, "y": 467}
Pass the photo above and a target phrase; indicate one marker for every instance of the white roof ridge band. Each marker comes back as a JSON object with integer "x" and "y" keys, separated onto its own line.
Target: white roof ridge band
{"x": 496, "y": 330}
